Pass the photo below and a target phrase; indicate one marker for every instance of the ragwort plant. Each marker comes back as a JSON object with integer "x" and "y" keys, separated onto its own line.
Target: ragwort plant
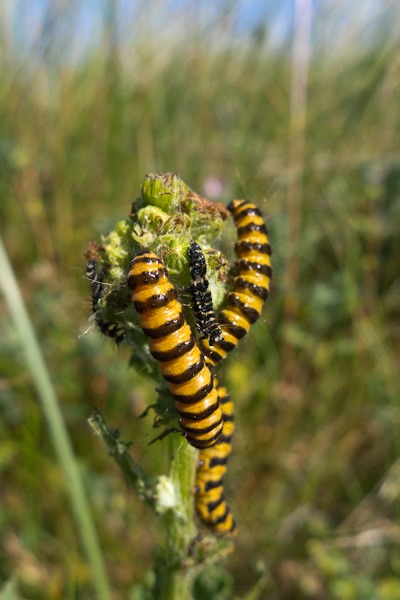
{"x": 129, "y": 262}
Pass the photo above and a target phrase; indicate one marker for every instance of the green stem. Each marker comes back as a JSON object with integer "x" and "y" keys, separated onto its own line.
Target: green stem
{"x": 58, "y": 432}
{"x": 174, "y": 573}
{"x": 175, "y": 578}
{"x": 119, "y": 450}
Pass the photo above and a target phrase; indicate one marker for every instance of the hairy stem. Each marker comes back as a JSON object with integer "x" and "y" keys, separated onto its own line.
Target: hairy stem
{"x": 179, "y": 524}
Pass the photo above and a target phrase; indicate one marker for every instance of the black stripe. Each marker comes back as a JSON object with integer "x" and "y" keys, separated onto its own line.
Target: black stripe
{"x": 199, "y": 417}
{"x": 187, "y": 374}
{"x": 211, "y": 506}
{"x": 233, "y": 209}
{"x": 144, "y": 258}
{"x": 156, "y": 301}
{"x": 235, "y": 330}
{"x": 245, "y": 246}
{"x": 176, "y": 352}
{"x": 135, "y": 281}
{"x": 166, "y": 328}
{"x": 210, "y": 485}
{"x": 241, "y": 211}
{"x": 228, "y": 419}
{"x": 225, "y": 439}
{"x": 257, "y": 290}
{"x": 213, "y": 355}
{"x": 218, "y": 461}
{"x": 242, "y": 231}
{"x": 249, "y": 313}
{"x": 203, "y": 443}
{"x": 223, "y": 517}
{"x": 229, "y": 346}
{"x": 246, "y": 265}
{"x": 199, "y": 395}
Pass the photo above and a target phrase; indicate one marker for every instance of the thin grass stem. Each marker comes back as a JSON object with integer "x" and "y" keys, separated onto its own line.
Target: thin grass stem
{"x": 55, "y": 421}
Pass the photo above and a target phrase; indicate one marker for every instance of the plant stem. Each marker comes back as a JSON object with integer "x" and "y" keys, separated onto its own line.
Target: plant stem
{"x": 119, "y": 450}
{"x": 180, "y": 528}
{"x": 174, "y": 574}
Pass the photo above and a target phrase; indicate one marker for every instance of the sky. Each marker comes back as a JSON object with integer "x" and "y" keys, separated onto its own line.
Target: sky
{"x": 75, "y": 26}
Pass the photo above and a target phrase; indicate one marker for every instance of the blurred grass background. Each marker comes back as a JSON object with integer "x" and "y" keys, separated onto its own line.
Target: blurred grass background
{"x": 301, "y": 115}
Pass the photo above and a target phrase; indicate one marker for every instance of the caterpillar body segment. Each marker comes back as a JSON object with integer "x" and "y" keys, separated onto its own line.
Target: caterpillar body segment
{"x": 202, "y": 304}
{"x": 210, "y": 500}
{"x": 251, "y": 285}
{"x": 112, "y": 329}
{"x": 172, "y": 343}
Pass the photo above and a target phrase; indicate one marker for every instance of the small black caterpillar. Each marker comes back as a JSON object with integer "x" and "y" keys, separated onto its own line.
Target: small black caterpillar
{"x": 112, "y": 329}
{"x": 202, "y": 304}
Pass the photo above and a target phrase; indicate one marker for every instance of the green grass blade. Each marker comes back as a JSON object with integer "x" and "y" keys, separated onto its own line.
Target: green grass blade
{"x": 56, "y": 425}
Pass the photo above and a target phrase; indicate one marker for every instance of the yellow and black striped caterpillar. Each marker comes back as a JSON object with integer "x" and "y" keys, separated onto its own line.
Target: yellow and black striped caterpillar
{"x": 202, "y": 304}
{"x": 210, "y": 501}
{"x": 173, "y": 345}
{"x": 112, "y": 329}
{"x": 250, "y": 286}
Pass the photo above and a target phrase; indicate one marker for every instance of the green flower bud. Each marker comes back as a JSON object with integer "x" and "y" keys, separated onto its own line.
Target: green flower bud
{"x": 165, "y": 191}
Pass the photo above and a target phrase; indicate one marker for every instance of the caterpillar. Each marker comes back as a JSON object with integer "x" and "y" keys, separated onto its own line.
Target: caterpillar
{"x": 210, "y": 500}
{"x": 112, "y": 329}
{"x": 172, "y": 343}
{"x": 202, "y": 304}
{"x": 250, "y": 286}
